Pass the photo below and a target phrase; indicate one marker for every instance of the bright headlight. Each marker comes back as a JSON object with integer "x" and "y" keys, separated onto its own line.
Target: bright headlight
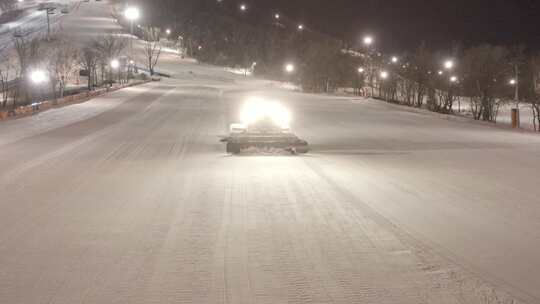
{"x": 256, "y": 109}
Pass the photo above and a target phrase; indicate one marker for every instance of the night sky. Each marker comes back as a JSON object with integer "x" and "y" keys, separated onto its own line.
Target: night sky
{"x": 404, "y": 24}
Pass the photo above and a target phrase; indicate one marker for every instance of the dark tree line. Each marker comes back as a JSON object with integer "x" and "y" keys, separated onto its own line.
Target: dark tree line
{"x": 217, "y": 33}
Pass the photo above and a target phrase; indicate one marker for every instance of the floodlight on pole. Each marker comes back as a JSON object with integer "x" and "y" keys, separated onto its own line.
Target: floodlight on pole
{"x": 38, "y": 76}
{"x": 115, "y": 64}
{"x": 131, "y": 13}
{"x": 368, "y": 40}
{"x": 289, "y": 68}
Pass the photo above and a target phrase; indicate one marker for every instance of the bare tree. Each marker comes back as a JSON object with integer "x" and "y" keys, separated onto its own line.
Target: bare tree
{"x": 531, "y": 86}
{"x": 62, "y": 65}
{"x": 109, "y": 47}
{"x": 5, "y": 69}
{"x": 485, "y": 68}
{"x": 28, "y": 55}
{"x": 88, "y": 61}
{"x": 152, "y": 47}
{"x": 6, "y": 5}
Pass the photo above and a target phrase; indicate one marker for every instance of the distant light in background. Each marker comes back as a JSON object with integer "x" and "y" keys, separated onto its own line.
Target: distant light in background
{"x": 243, "y": 7}
{"x": 360, "y": 70}
{"x": 448, "y": 64}
{"x": 289, "y": 68}
{"x": 132, "y": 13}
{"x": 277, "y": 16}
{"x": 368, "y": 40}
{"x": 512, "y": 82}
{"x": 115, "y": 64}
{"x": 395, "y": 59}
{"x": 168, "y": 31}
{"x": 453, "y": 79}
{"x": 38, "y": 76}
{"x": 300, "y": 27}
{"x": 384, "y": 75}
{"x": 440, "y": 72}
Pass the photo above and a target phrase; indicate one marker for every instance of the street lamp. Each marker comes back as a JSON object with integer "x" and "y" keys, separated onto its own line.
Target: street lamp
{"x": 38, "y": 76}
{"x": 277, "y": 16}
{"x": 115, "y": 64}
{"x": 300, "y": 27}
{"x": 384, "y": 75}
{"x": 243, "y": 7}
{"x": 368, "y": 40}
{"x": 395, "y": 59}
{"x": 440, "y": 72}
{"x": 360, "y": 70}
{"x": 448, "y": 64}
{"x": 453, "y": 79}
{"x": 131, "y": 13}
{"x": 512, "y": 82}
{"x": 289, "y": 68}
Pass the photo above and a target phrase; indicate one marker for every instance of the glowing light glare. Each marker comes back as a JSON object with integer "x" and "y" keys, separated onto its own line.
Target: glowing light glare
{"x": 300, "y": 27}
{"x": 384, "y": 75}
{"x": 277, "y": 16}
{"x": 289, "y": 68}
{"x": 38, "y": 77}
{"x": 360, "y": 70}
{"x": 256, "y": 109}
{"x": 115, "y": 64}
{"x": 448, "y": 64}
{"x": 243, "y": 7}
{"x": 394, "y": 59}
{"x": 168, "y": 31}
{"x": 132, "y": 13}
{"x": 453, "y": 79}
{"x": 368, "y": 40}
{"x": 512, "y": 81}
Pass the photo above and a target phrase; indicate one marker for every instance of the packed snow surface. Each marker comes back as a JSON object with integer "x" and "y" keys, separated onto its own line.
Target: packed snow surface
{"x": 130, "y": 198}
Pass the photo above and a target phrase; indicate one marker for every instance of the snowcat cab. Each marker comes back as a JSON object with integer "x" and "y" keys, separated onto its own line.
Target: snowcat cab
{"x": 265, "y": 126}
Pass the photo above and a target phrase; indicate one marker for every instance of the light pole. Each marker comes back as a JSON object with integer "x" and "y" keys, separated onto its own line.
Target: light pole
{"x": 115, "y": 64}
{"x": 454, "y": 80}
{"x": 49, "y": 11}
{"x": 515, "y": 111}
{"x": 368, "y": 42}
{"x": 383, "y": 76}
{"x": 360, "y": 80}
{"x": 289, "y": 68}
{"x": 38, "y": 77}
{"x": 131, "y": 14}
